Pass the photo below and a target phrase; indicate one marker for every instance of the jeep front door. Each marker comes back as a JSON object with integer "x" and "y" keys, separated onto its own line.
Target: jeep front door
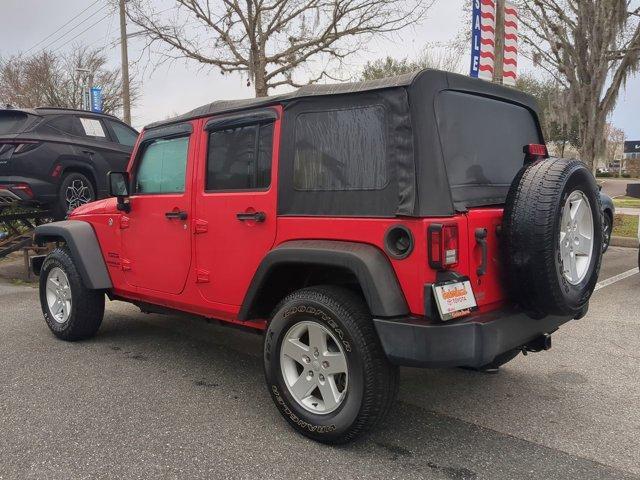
{"x": 235, "y": 208}
{"x": 156, "y": 240}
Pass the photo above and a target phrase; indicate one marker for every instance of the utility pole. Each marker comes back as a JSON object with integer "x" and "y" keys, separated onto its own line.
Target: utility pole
{"x": 126, "y": 95}
{"x": 498, "y": 69}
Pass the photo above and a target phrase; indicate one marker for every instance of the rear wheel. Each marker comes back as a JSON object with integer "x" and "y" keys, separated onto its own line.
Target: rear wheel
{"x": 324, "y": 365}
{"x": 75, "y": 190}
{"x": 72, "y": 311}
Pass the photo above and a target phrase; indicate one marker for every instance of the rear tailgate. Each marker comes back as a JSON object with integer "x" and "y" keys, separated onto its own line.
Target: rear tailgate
{"x": 484, "y": 268}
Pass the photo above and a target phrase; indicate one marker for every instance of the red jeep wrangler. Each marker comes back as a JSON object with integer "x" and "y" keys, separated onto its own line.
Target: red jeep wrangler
{"x": 410, "y": 221}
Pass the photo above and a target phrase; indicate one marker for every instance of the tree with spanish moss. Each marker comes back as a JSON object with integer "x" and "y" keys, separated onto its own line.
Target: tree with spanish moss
{"x": 590, "y": 47}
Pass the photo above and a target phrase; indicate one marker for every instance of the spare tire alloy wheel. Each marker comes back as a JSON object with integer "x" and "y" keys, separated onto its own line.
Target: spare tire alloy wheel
{"x": 553, "y": 237}
{"x": 576, "y": 237}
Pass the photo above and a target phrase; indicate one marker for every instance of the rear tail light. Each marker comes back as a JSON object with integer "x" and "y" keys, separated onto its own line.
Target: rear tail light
{"x": 22, "y": 187}
{"x": 7, "y": 148}
{"x": 535, "y": 151}
{"x": 443, "y": 246}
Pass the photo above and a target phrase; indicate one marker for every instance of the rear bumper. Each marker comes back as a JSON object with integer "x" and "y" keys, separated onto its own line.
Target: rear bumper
{"x": 471, "y": 342}
{"x": 7, "y": 197}
{"x": 44, "y": 192}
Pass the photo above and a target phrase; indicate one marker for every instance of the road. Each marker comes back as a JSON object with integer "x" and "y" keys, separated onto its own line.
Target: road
{"x": 160, "y": 396}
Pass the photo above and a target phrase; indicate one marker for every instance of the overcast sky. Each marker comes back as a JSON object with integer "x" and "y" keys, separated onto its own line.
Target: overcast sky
{"x": 167, "y": 91}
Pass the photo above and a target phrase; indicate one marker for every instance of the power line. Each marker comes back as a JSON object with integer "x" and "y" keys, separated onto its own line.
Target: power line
{"x": 83, "y": 31}
{"x": 91, "y": 17}
{"x": 52, "y": 34}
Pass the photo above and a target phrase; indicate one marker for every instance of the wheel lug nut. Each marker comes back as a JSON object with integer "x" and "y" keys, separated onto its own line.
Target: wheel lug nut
{"x": 310, "y": 373}
{"x": 306, "y": 359}
{"x": 316, "y": 353}
{"x": 325, "y": 364}
{"x": 321, "y": 377}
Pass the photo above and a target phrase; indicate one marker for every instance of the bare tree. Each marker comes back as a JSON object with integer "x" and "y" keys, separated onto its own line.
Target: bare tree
{"x": 590, "y": 47}
{"x": 45, "y": 79}
{"x": 270, "y": 41}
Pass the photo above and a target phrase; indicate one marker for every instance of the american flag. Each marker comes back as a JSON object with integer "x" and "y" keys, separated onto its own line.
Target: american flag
{"x": 487, "y": 39}
{"x": 510, "y": 68}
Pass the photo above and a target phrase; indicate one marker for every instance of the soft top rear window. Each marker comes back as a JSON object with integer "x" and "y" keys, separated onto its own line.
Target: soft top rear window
{"x": 482, "y": 143}
{"x": 12, "y": 122}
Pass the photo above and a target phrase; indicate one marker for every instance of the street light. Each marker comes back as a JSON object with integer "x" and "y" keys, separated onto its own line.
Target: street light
{"x": 87, "y": 80}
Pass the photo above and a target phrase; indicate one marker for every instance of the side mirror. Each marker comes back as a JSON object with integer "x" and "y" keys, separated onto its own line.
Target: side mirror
{"x": 119, "y": 187}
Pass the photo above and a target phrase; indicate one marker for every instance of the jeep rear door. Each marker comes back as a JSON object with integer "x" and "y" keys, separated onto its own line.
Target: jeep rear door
{"x": 235, "y": 202}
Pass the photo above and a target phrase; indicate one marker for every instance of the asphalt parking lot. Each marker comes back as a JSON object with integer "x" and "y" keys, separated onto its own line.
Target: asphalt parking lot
{"x": 165, "y": 397}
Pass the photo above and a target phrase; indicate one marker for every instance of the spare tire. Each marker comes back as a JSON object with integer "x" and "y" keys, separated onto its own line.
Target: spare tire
{"x": 552, "y": 231}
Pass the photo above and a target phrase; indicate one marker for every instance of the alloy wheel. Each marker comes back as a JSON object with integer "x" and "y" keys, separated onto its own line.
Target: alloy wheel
{"x": 58, "y": 295}
{"x": 77, "y": 193}
{"x": 314, "y": 367}
{"x": 576, "y": 237}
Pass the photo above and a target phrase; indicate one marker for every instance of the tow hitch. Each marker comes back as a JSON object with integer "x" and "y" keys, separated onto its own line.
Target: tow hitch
{"x": 539, "y": 344}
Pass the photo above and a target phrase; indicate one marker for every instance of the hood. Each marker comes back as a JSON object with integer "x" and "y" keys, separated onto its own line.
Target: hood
{"x": 108, "y": 205}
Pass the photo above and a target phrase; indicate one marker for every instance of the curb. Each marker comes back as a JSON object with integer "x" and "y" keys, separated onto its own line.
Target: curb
{"x": 629, "y": 242}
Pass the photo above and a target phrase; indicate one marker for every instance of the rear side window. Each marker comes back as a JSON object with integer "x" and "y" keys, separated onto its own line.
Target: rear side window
{"x": 162, "y": 167}
{"x": 482, "y": 142}
{"x": 67, "y": 124}
{"x": 12, "y": 122}
{"x": 124, "y": 135}
{"x": 239, "y": 158}
{"x": 341, "y": 150}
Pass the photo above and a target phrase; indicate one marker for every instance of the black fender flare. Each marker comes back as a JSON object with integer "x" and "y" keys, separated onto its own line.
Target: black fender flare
{"x": 368, "y": 264}
{"x": 84, "y": 247}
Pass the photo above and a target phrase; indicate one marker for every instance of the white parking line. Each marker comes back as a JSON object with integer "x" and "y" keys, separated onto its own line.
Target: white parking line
{"x": 616, "y": 278}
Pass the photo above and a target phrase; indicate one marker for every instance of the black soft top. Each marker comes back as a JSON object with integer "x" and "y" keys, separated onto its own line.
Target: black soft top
{"x": 425, "y": 78}
{"x": 415, "y": 115}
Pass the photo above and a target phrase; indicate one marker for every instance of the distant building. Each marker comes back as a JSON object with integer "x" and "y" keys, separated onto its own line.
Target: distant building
{"x": 632, "y": 149}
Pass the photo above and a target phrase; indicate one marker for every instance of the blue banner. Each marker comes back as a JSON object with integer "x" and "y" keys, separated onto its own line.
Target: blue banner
{"x": 476, "y": 36}
{"x": 96, "y": 99}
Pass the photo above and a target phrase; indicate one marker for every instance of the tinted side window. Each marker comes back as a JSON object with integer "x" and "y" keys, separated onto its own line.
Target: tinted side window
{"x": 163, "y": 166}
{"x": 341, "y": 150}
{"x": 124, "y": 135}
{"x": 67, "y": 124}
{"x": 239, "y": 158}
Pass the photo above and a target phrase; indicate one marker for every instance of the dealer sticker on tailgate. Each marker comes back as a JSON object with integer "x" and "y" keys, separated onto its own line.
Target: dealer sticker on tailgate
{"x": 454, "y": 299}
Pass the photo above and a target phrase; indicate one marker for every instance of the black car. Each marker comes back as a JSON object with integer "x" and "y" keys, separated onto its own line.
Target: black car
{"x": 58, "y": 158}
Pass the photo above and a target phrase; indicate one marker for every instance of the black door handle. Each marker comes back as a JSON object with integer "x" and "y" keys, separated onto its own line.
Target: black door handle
{"x": 176, "y": 215}
{"x": 255, "y": 216}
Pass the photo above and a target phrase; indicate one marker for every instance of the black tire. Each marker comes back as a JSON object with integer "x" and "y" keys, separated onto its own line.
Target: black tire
{"x": 372, "y": 380}
{"x": 531, "y": 234}
{"x": 87, "y": 306}
{"x": 607, "y": 227}
{"x": 66, "y": 200}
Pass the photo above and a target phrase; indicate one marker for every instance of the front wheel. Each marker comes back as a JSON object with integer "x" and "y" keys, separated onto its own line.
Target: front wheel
{"x": 72, "y": 311}
{"x": 324, "y": 365}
